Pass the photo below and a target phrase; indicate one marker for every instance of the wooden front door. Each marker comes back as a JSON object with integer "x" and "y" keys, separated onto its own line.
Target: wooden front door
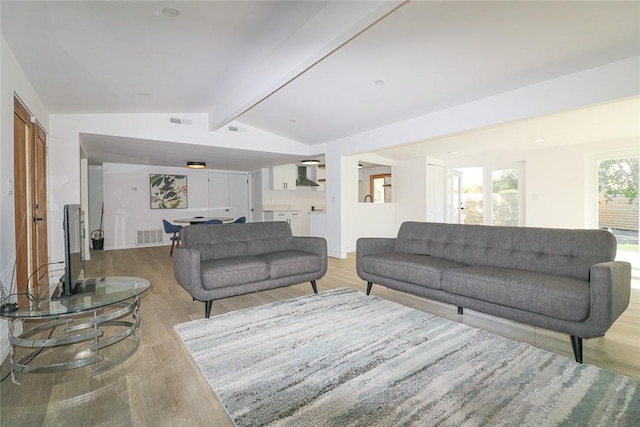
{"x": 39, "y": 242}
{"x": 30, "y": 204}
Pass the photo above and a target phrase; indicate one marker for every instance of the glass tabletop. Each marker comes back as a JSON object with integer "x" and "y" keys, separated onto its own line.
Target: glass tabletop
{"x": 108, "y": 290}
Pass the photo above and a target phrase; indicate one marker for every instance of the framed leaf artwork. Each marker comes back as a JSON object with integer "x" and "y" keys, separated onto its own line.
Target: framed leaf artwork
{"x": 168, "y": 191}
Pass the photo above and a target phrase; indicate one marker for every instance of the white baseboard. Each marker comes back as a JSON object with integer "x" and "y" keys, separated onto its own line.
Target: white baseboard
{"x": 4, "y": 339}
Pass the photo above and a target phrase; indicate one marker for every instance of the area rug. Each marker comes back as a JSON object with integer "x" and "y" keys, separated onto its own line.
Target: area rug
{"x": 341, "y": 358}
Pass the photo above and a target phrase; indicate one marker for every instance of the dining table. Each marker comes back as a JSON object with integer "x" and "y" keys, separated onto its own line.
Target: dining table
{"x": 201, "y": 219}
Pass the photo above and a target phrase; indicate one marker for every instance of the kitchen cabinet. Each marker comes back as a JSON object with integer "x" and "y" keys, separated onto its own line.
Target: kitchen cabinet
{"x": 284, "y": 177}
{"x": 294, "y": 218}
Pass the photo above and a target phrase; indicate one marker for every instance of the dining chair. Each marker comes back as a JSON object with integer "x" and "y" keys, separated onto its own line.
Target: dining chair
{"x": 211, "y": 221}
{"x": 175, "y": 230}
{"x": 241, "y": 220}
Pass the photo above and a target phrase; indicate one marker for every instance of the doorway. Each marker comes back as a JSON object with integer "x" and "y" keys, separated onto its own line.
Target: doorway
{"x": 618, "y": 210}
{"x": 486, "y": 195}
{"x": 467, "y": 206}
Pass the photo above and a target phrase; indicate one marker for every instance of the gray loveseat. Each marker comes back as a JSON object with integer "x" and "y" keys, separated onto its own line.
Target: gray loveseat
{"x": 222, "y": 260}
{"x": 558, "y": 279}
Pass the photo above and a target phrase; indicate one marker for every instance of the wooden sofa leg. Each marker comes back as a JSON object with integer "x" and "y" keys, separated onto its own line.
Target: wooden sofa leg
{"x": 315, "y": 288}
{"x": 576, "y": 343}
{"x": 207, "y": 308}
{"x": 460, "y": 310}
{"x": 369, "y": 286}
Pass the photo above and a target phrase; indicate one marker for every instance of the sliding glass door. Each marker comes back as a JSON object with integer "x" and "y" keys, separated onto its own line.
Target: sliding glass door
{"x": 618, "y": 188}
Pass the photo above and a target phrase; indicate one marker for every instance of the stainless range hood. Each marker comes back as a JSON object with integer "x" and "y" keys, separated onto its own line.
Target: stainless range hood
{"x": 302, "y": 180}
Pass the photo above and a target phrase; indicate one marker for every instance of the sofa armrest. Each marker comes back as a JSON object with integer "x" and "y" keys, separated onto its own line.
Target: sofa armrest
{"x": 610, "y": 292}
{"x": 186, "y": 269}
{"x": 372, "y": 245}
{"x": 375, "y": 245}
{"x": 314, "y": 245}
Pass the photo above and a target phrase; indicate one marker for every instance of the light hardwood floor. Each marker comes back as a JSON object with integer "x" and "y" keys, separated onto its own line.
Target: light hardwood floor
{"x": 160, "y": 385}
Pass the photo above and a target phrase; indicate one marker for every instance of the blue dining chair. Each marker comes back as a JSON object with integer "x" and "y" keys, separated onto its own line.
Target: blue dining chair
{"x": 172, "y": 229}
{"x": 241, "y": 220}
{"x": 212, "y": 221}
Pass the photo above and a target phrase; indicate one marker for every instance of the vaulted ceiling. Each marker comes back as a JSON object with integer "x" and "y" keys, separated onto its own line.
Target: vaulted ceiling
{"x": 310, "y": 71}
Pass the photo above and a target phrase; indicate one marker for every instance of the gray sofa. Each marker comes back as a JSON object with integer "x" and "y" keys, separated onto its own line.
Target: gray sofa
{"x": 558, "y": 279}
{"x": 222, "y": 260}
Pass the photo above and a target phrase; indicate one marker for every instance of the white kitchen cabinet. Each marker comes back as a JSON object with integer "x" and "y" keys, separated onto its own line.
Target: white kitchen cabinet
{"x": 294, "y": 218}
{"x": 284, "y": 177}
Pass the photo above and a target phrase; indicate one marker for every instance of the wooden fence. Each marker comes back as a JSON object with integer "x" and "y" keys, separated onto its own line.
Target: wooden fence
{"x": 618, "y": 213}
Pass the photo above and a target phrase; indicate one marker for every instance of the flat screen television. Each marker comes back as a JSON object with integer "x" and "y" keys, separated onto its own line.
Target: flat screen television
{"x": 72, "y": 282}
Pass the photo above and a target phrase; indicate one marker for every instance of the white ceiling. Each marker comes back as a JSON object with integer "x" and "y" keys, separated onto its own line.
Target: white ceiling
{"x": 306, "y": 70}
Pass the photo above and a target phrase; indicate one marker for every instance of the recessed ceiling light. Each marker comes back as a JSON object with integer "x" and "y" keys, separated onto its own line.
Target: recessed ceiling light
{"x": 453, "y": 153}
{"x": 144, "y": 93}
{"x": 310, "y": 162}
{"x": 538, "y": 140}
{"x": 378, "y": 82}
{"x": 171, "y": 12}
{"x": 293, "y": 120}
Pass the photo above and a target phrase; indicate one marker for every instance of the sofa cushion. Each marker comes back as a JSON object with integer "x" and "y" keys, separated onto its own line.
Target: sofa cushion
{"x": 222, "y": 250}
{"x": 269, "y": 245}
{"x": 218, "y": 273}
{"x": 290, "y": 263}
{"x": 418, "y": 269}
{"x": 554, "y": 296}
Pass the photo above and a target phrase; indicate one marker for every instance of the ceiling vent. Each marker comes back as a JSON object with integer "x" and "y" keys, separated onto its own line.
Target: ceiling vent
{"x": 233, "y": 128}
{"x": 180, "y": 121}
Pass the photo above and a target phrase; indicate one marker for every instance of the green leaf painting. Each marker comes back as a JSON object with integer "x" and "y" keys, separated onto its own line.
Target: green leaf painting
{"x": 168, "y": 191}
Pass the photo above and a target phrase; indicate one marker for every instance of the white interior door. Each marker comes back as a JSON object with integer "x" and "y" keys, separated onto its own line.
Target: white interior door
{"x": 219, "y": 195}
{"x": 256, "y": 197}
{"x": 435, "y": 193}
{"x": 238, "y": 193}
{"x": 228, "y": 195}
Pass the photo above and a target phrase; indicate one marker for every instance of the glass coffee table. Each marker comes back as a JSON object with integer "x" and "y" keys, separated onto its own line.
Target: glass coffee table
{"x": 101, "y": 321}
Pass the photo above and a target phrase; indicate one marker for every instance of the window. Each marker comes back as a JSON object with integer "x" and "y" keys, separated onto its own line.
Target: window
{"x": 380, "y": 186}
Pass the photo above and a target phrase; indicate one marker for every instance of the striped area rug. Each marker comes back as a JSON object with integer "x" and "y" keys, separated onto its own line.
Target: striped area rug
{"x": 341, "y": 358}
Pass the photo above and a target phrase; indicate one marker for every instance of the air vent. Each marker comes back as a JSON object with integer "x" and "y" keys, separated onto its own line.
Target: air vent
{"x": 233, "y": 128}
{"x": 179, "y": 121}
{"x": 149, "y": 237}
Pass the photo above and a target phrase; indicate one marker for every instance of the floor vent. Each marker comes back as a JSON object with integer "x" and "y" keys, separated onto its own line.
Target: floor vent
{"x": 148, "y": 237}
